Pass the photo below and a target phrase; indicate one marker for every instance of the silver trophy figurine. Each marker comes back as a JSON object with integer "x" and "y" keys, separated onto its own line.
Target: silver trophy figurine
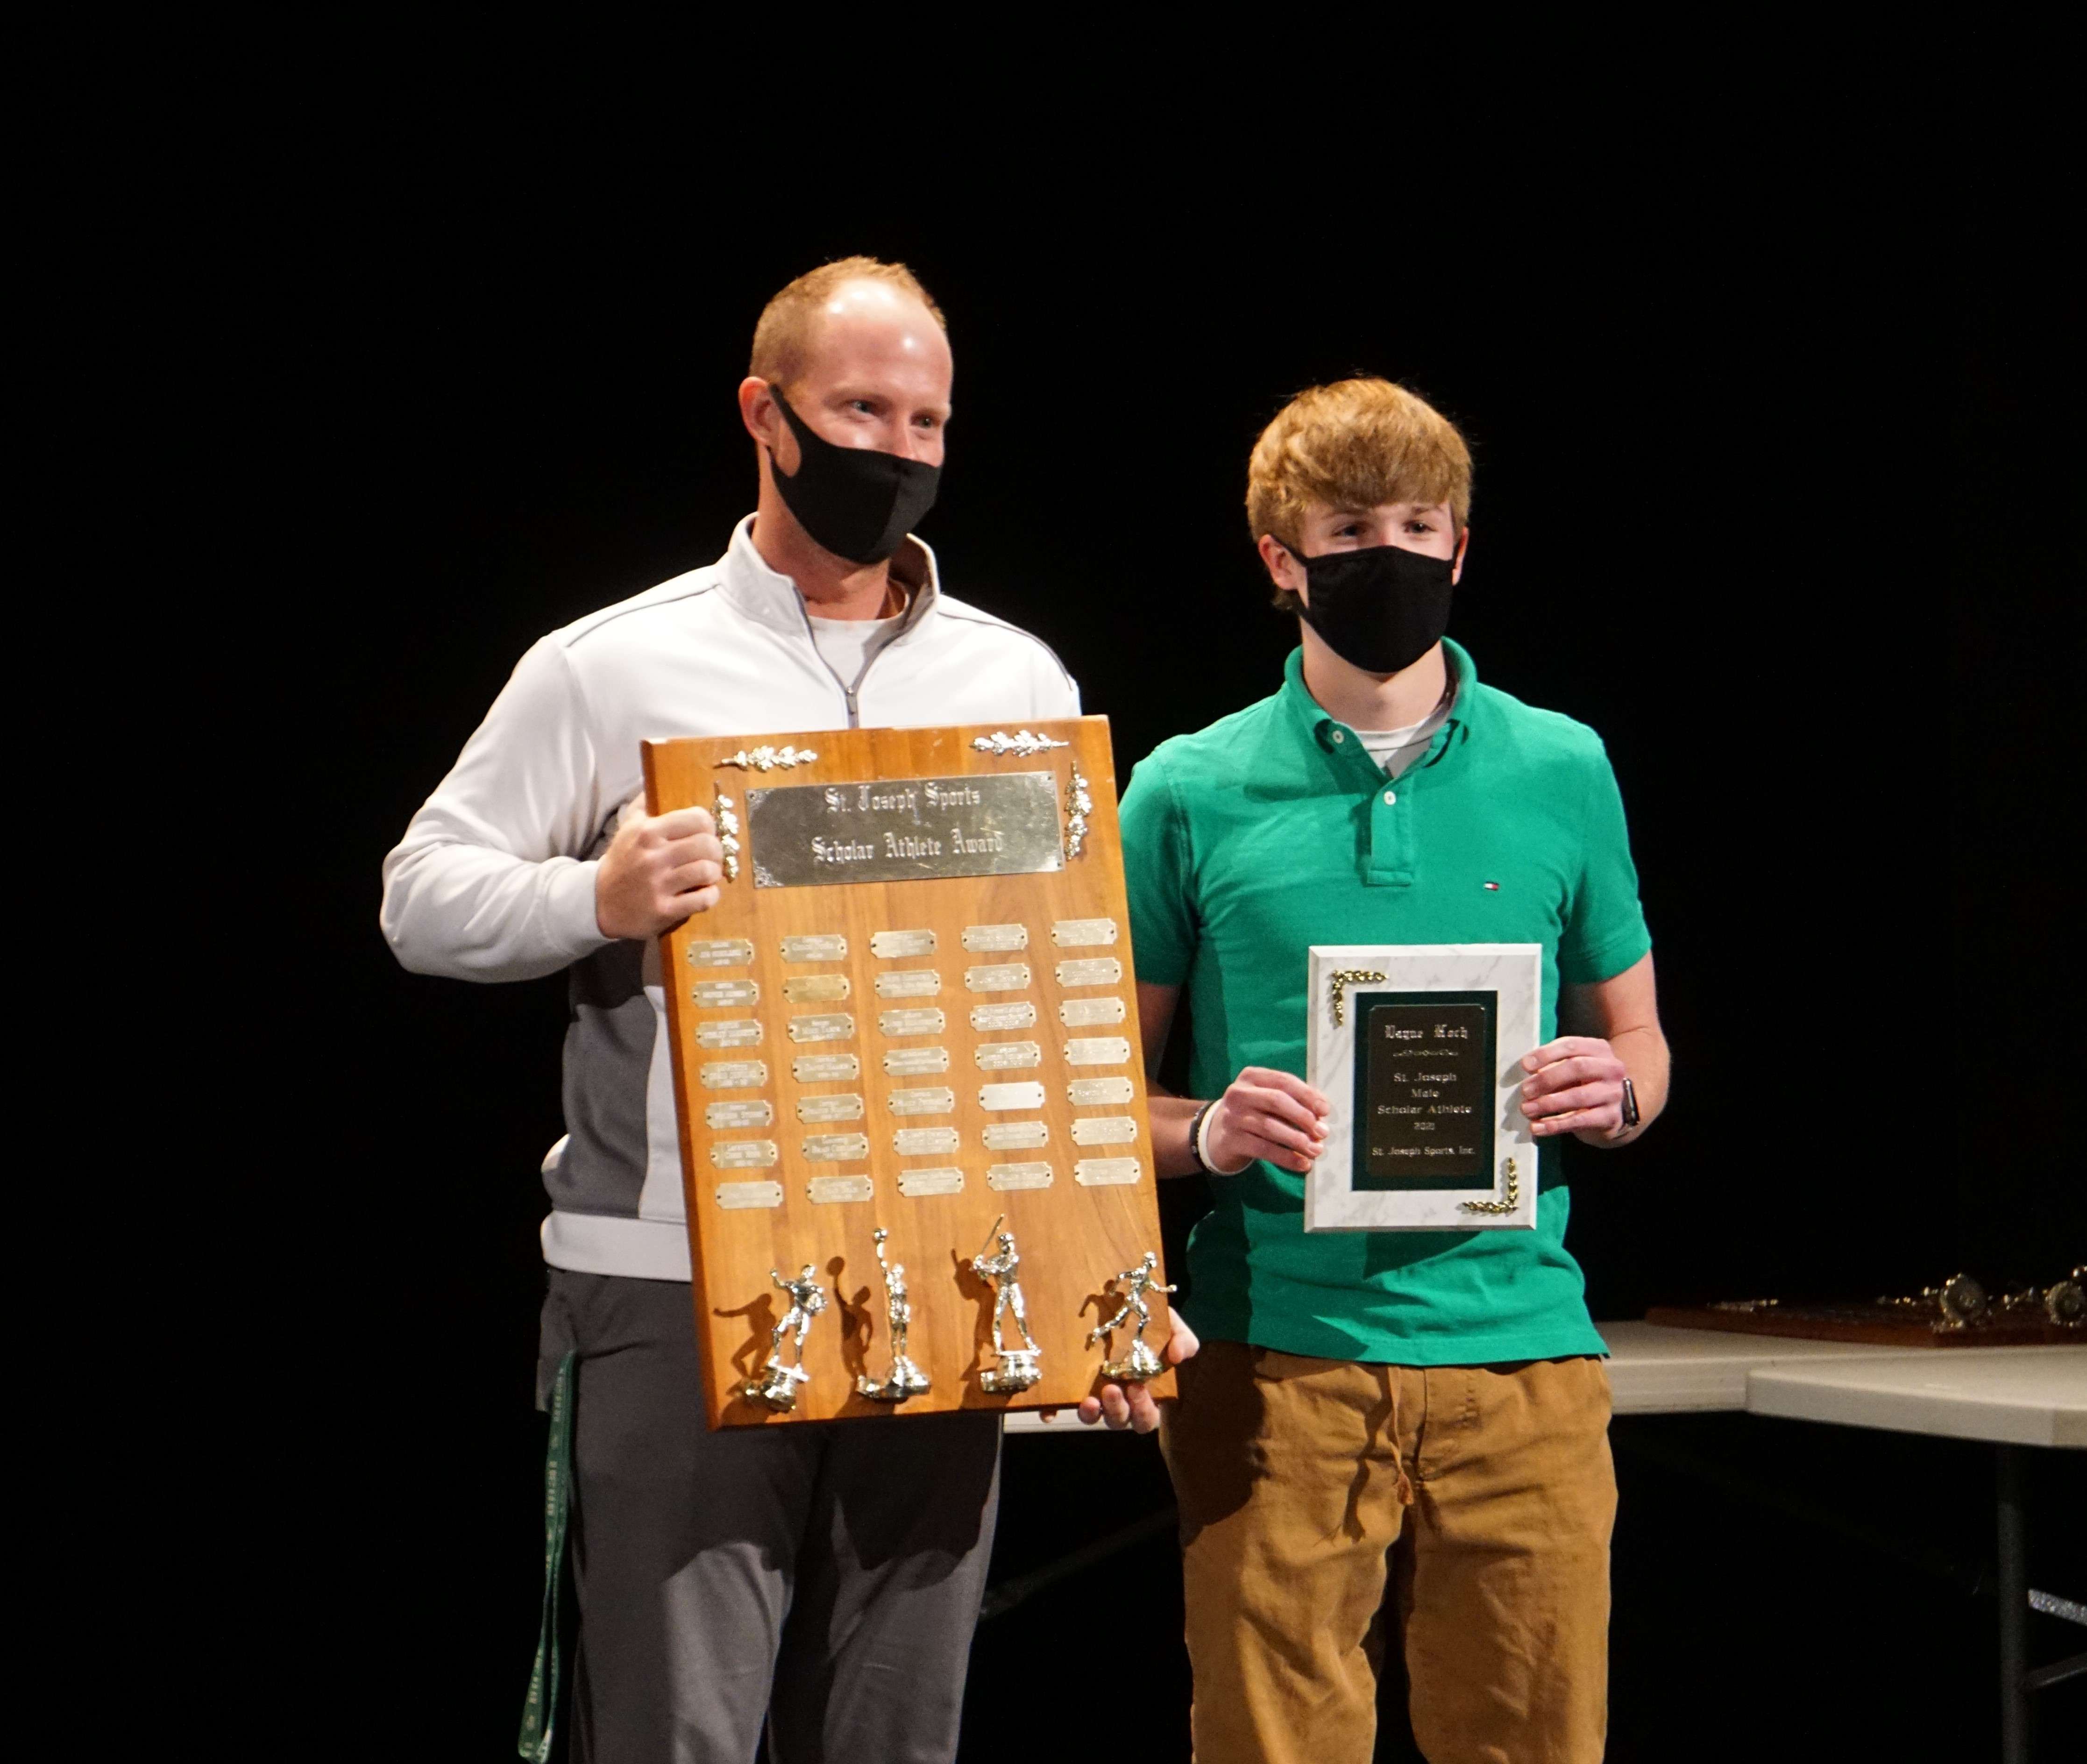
{"x": 1018, "y": 1369}
{"x": 1141, "y": 1363}
{"x": 906, "y": 1379}
{"x": 808, "y": 1298}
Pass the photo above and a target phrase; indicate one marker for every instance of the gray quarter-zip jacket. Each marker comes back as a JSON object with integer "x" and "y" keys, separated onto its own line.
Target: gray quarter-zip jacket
{"x": 495, "y": 878}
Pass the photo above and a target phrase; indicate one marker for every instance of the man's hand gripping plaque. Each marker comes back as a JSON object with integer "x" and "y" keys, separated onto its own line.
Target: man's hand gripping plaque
{"x": 659, "y": 870}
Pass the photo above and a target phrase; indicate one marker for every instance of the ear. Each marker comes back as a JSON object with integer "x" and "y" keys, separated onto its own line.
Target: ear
{"x": 1456, "y": 568}
{"x": 1283, "y": 569}
{"x": 757, "y": 410}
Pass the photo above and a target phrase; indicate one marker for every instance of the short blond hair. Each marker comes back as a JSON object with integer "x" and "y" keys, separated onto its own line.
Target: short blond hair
{"x": 784, "y": 335}
{"x": 1354, "y": 444}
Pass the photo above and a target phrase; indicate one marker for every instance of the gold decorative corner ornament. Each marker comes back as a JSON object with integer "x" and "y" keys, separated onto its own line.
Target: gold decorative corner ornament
{"x": 1079, "y": 804}
{"x": 1508, "y": 1206}
{"x": 769, "y": 758}
{"x": 1341, "y": 980}
{"x": 1020, "y": 745}
{"x": 728, "y": 827}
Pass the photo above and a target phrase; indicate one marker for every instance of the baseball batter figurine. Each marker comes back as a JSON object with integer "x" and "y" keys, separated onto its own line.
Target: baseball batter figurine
{"x": 1018, "y": 1369}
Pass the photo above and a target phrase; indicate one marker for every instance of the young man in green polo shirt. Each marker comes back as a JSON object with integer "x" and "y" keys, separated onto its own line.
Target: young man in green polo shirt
{"x": 1421, "y": 1410}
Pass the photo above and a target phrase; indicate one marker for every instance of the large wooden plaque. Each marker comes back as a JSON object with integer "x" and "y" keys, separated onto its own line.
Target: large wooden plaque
{"x": 913, "y": 1007}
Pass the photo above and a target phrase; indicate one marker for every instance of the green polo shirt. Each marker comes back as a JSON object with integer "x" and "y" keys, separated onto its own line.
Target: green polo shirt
{"x": 1245, "y": 843}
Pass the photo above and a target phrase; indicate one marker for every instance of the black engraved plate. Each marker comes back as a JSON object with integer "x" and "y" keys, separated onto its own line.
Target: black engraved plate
{"x": 899, "y": 829}
{"x": 1426, "y": 1085}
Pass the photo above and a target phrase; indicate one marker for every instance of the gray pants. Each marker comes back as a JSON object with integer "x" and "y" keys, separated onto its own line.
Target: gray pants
{"x": 823, "y": 1575}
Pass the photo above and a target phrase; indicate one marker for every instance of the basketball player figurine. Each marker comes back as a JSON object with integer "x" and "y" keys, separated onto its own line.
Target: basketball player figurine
{"x": 906, "y": 1379}
{"x": 808, "y": 1298}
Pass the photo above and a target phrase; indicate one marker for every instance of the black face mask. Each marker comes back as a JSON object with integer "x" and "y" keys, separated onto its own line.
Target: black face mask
{"x": 1380, "y": 609}
{"x": 857, "y": 502}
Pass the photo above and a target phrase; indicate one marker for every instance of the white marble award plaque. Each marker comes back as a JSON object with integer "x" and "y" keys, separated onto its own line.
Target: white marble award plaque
{"x": 1417, "y": 1048}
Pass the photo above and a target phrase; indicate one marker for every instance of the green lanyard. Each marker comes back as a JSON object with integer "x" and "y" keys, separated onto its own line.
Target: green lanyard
{"x": 540, "y": 1711}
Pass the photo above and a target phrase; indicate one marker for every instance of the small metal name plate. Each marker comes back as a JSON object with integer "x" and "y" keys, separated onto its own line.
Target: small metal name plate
{"x": 909, "y": 983}
{"x": 1016, "y": 1135}
{"x": 1000, "y": 977}
{"x": 916, "y": 1063}
{"x": 999, "y": 1098}
{"x": 827, "y": 1188}
{"x": 717, "y": 1116}
{"x": 982, "y": 938}
{"x": 923, "y": 1141}
{"x": 1005, "y": 1177}
{"x": 816, "y": 989}
{"x": 889, "y": 946}
{"x": 911, "y": 1022}
{"x": 825, "y": 1068}
{"x": 840, "y": 1027}
{"x": 923, "y": 1099}
{"x": 1087, "y": 1092}
{"x": 829, "y": 947}
{"x": 1092, "y": 971}
{"x": 733, "y": 1074}
{"x": 841, "y": 1106}
{"x": 721, "y": 952}
{"x": 731, "y": 1032}
{"x": 1097, "y": 1050}
{"x": 1105, "y": 1172}
{"x": 1088, "y": 1013}
{"x": 836, "y": 1147}
{"x": 1103, "y": 1130}
{"x": 1079, "y": 933}
{"x": 743, "y": 1154}
{"x": 901, "y": 829}
{"x": 916, "y": 1184}
{"x": 1016, "y": 1016}
{"x": 1007, "y": 1055}
{"x": 716, "y": 994}
{"x": 732, "y": 1196}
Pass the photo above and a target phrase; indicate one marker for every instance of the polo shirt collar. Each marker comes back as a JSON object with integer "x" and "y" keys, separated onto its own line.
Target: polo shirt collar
{"x": 769, "y": 597}
{"x": 1333, "y": 737}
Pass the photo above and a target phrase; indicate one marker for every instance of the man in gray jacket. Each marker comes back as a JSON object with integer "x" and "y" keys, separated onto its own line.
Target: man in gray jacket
{"x": 823, "y": 1577}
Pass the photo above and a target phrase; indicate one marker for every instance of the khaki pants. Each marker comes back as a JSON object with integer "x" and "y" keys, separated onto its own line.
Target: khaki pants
{"x": 1486, "y": 1495}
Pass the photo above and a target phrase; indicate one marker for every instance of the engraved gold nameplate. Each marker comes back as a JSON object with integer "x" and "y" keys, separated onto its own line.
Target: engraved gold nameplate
{"x": 916, "y": 1063}
{"x": 999, "y": 977}
{"x": 1088, "y": 1013}
{"x": 1015, "y": 1135}
{"x": 1005, "y": 1177}
{"x": 721, "y": 952}
{"x": 828, "y": 1189}
{"x": 1097, "y": 1050}
{"x": 743, "y": 1154}
{"x": 1007, "y": 1055}
{"x": 732, "y": 1196}
{"x": 1087, "y": 1092}
{"x": 1001, "y": 1097}
{"x": 730, "y": 1032}
{"x": 1015, "y": 1016}
{"x": 831, "y": 947}
{"x": 733, "y": 1074}
{"x": 839, "y": 1026}
{"x": 715, "y": 994}
{"x": 889, "y": 946}
{"x": 816, "y": 989}
{"x": 717, "y": 1116}
{"x": 923, "y": 1141}
{"x": 905, "y": 829}
{"x": 1079, "y": 933}
{"x": 909, "y": 983}
{"x": 1103, "y": 1130}
{"x": 836, "y": 1147}
{"x": 923, "y": 1099}
{"x": 996, "y": 937}
{"x": 914, "y": 1185}
{"x": 844, "y": 1106}
{"x": 825, "y": 1068}
{"x": 1106, "y": 1173}
{"x": 1092, "y": 971}
{"x": 911, "y": 1022}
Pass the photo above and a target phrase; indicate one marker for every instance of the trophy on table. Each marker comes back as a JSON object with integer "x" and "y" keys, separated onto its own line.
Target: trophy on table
{"x": 1018, "y": 1369}
{"x": 808, "y": 1298}
{"x": 1141, "y": 1365}
{"x": 906, "y": 1379}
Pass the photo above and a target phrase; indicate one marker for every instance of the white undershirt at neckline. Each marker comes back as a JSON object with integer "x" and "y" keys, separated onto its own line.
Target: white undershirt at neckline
{"x": 844, "y": 644}
{"x": 1395, "y": 750}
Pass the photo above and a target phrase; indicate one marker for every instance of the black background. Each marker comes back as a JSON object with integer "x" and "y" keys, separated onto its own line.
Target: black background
{"x": 1767, "y": 491}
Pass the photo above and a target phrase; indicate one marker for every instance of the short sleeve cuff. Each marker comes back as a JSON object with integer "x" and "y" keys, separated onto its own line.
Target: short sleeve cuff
{"x": 1605, "y": 960}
